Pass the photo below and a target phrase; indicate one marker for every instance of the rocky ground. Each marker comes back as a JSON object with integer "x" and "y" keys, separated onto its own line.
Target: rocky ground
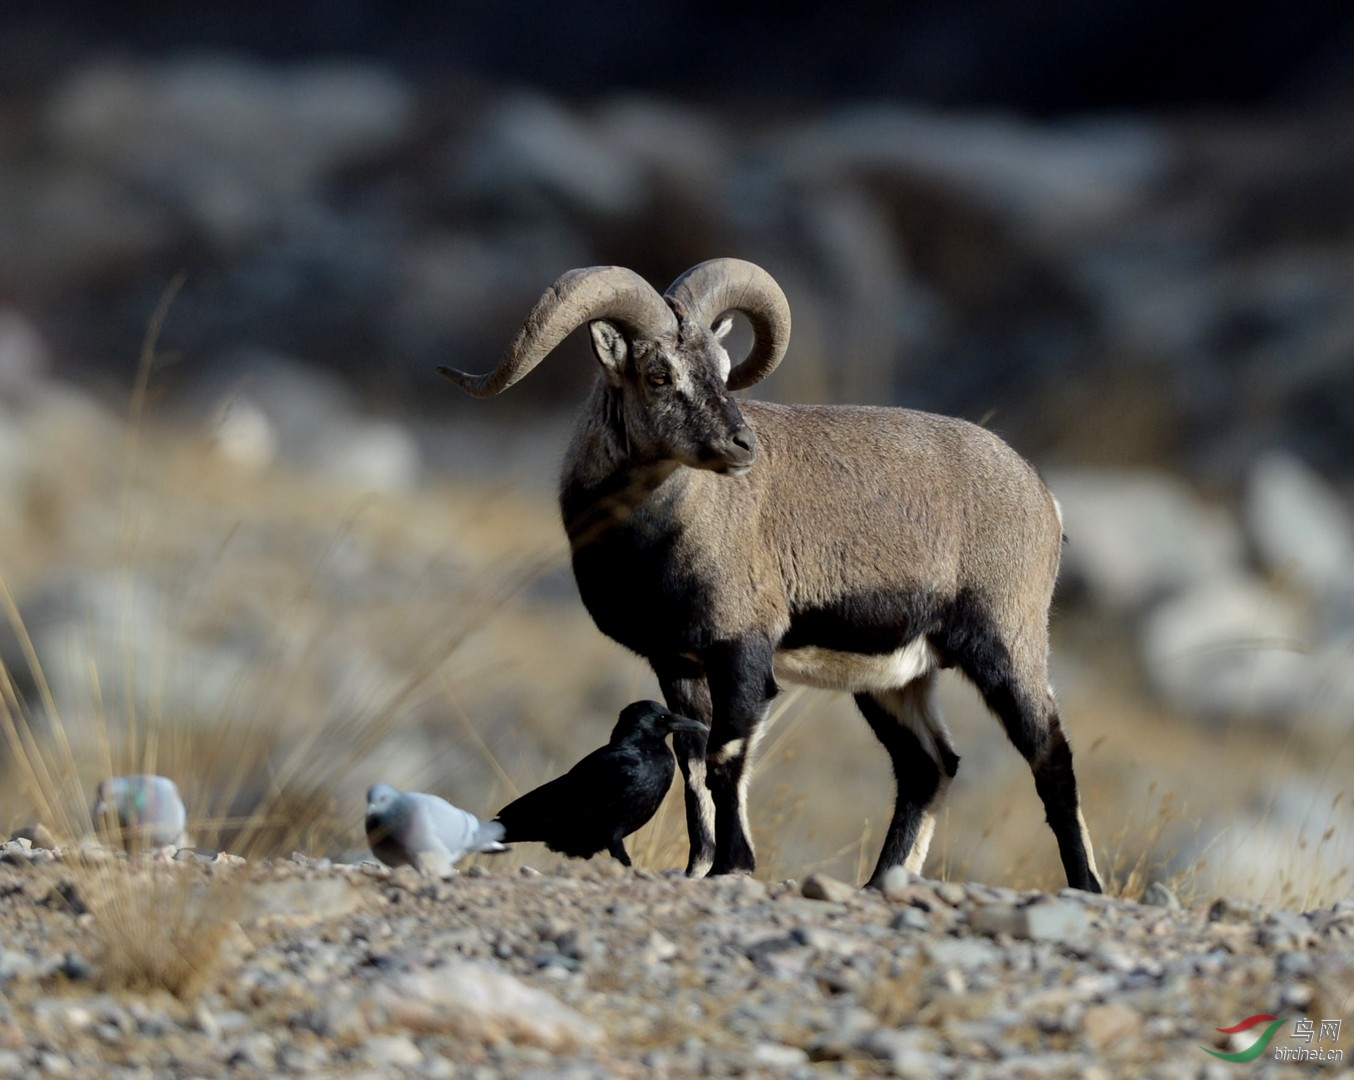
{"x": 312, "y": 968}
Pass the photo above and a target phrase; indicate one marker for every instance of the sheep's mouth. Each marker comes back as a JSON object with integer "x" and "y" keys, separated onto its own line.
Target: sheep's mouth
{"x": 730, "y": 461}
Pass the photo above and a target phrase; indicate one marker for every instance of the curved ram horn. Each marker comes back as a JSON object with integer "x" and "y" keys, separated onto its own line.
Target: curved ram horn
{"x": 709, "y": 289}
{"x": 594, "y": 292}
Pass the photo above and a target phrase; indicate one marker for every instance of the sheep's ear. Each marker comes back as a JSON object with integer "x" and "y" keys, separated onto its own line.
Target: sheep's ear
{"x": 722, "y": 327}
{"x": 610, "y": 347}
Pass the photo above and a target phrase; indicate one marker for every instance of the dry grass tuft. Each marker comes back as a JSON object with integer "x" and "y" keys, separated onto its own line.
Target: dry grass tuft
{"x": 1133, "y": 855}
{"x": 162, "y": 927}
{"x": 896, "y": 999}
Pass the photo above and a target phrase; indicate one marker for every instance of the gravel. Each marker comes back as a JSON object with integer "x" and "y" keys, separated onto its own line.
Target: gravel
{"x": 326, "y": 969}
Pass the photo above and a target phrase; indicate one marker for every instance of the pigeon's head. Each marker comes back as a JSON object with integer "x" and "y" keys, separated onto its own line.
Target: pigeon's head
{"x": 650, "y": 719}
{"x": 109, "y": 793}
{"x": 107, "y": 813}
{"x": 380, "y": 797}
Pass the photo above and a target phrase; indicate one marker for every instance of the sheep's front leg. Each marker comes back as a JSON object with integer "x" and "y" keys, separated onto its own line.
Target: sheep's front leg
{"x": 686, "y": 692}
{"x": 741, "y": 687}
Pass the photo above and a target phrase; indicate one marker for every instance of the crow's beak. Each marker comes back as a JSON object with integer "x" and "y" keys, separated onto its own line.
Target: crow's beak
{"x": 686, "y": 724}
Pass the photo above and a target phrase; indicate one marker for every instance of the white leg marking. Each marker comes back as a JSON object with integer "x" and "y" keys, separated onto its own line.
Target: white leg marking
{"x": 705, "y": 809}
{"x": 1086, "y": 843}
{"x": 915, "y": 708}
{"x": 916, "y": 858}
{"x": 749, "y": 747}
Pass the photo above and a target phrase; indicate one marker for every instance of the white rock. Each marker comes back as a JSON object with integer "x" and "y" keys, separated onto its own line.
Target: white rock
{"x": 1230, "y": 647}
{"x": 124, "y": 630}
{"x": 369, "y": 455}
{"x": 474, "y": 1001}
{"x": 1299, "y": 524}
{"x": 226, "y": 140}
{"x": 684, "y": 146}
{"x": 779, "y": 1056}
{"x": 1296, "y": 843}
{"x": 24, "y": 356}
{"x": 1135, "y": 535}
{"x": 897, "y": 881}
{"x": 534, "y": 145}
{"x": 1055, "y": 920}
{"x": 242, "y": 434}
{"x": 14, "y": 470}
{"x": 1039, "y": 177}
{"x": 912, "y": 1048}
{"x": 262, "y": 406}
{"x": 963, "y": 954}
{"x": 392, "y": 1051}
{"x": 298, "y": 901}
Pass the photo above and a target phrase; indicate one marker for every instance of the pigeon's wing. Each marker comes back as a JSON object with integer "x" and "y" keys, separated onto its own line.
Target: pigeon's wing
{"x": 452, "y": 829}
{"x": 169, "y": 816}
{"x": 419, "y": 830}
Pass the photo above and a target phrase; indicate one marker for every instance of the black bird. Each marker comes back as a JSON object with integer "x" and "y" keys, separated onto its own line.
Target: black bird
{"x": 606, "y": 796}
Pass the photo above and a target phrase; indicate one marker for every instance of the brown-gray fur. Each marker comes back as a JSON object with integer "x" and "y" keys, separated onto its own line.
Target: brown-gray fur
{"x": 736, "y": 543}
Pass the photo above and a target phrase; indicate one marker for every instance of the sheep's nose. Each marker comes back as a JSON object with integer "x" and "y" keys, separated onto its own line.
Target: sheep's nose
{"x": 745, "y": 439}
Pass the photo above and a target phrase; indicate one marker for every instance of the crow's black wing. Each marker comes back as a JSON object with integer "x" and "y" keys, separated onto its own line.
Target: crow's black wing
{"x": 532, "y": 816}
{"x": 583, "y": 809}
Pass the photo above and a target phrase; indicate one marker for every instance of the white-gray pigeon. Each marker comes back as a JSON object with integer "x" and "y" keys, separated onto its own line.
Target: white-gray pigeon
{"x": 411, "y": 828}
{"x": 141, "y": 811}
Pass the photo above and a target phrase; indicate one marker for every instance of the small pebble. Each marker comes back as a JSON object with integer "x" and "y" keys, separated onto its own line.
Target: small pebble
{"x": 822, "y": 887}
{"x": 1159, "y": 895}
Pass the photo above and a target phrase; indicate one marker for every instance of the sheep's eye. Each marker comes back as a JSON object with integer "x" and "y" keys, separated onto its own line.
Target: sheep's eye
{"x": 659, "y": 378}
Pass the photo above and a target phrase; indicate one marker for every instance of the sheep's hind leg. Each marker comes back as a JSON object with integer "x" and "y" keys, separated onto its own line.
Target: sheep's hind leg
{"x": 1044, "y": 746}
{"x": 1026, "y": 708}
{"x": 912, "y": 730}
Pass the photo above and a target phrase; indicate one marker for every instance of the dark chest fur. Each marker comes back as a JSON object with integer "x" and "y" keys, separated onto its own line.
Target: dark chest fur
{"x": 641, "y": 592}
{"x": 632, "y": 568}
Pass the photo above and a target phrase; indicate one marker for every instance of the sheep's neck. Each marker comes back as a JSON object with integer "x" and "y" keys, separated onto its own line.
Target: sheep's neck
{"x": 592, "y": 509}
{"x": 604, "y": 482}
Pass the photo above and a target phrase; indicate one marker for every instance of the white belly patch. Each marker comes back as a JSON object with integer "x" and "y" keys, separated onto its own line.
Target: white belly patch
{"x": 829, "y": 669}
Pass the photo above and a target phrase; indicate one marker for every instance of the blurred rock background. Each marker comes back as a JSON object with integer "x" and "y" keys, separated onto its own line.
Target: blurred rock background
{"x": 1121, "y": 234}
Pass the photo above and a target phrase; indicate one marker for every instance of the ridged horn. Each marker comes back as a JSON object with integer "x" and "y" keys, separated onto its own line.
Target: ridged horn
{"x": 593, "y": 292}
{"x": 709, "y": 289}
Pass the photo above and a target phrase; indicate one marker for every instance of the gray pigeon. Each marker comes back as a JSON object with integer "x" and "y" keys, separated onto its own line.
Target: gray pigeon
{"x": 409, "y": 828}
{"x": 140, "y": 811}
